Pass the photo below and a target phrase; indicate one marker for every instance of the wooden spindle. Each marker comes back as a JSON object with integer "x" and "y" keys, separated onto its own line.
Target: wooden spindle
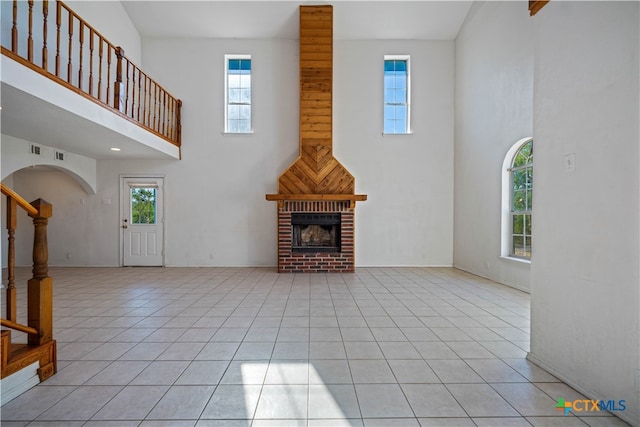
{"x": 126, "y": 96}
{"x": 165, "y": 114}
{"x": 40, "y": 287}
{"x": 100, "y": 53}
{"x": 139, "y": 93}
{"x": 147, "y": 100}
{"x": 156, "y": 114}
{"x": 14, "y": 28}
{"x": 118, "y": 84}
{"x": 69, "y": 65}
{"x": 45, "y": 53}
{"x": 81, "y": 49}
{"x": 30, "y": 35}
{"x": 58, "y": 27}
{"x": 91, "y": 36}
{"x": 108, "y": 73}
{"x": 11, "y": 262}
{"x": 133, "y": 89}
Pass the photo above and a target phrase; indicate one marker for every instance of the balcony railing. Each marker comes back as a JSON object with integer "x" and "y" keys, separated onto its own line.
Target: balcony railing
{"x": 50, "y": 38}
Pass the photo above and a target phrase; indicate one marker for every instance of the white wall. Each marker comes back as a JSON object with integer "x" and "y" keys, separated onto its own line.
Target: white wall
{"x": 585, "y": 284}
{"x": 408, "y": 217}
{"x": 111, "y": 20}
{"x": 216, "y": 211}
{"x": 494, "y": 99}
{"x": 16, "y": 155}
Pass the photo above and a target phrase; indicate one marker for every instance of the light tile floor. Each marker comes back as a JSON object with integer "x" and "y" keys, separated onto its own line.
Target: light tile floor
{"x": 250, "y": 347}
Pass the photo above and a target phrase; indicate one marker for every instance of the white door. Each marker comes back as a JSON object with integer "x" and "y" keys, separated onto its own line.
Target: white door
{"x": 142, "y": 221}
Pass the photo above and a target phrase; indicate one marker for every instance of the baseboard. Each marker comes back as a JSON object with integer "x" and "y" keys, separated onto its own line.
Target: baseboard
{"x": 16, "y": 384}
{"x": 628, "y": 415}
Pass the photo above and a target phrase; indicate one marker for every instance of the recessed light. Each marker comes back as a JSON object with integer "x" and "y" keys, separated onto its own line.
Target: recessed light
{"x": 115, "y": 149}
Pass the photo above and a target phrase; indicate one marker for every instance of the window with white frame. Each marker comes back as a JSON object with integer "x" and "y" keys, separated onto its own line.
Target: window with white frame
{"x": 518, "y": 193}
{"x": 397, "y": 94}
{"x": 237, "y": 112}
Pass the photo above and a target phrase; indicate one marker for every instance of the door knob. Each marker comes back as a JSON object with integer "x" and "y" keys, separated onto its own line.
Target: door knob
{"x": 125, "y": 226}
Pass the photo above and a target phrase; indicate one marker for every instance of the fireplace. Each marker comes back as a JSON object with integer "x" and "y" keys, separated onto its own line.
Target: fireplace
{"x": 316, "y": 193}
{"x": 315, "y": 232}
{"x": 306, "y": 233}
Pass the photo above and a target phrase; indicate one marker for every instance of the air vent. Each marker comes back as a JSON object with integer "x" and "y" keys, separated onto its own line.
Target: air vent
{"x": 34, "y": 149}
{"x": 59, "y": 155}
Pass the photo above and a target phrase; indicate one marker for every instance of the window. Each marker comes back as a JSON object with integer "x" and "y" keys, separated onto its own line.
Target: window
{"x": 396, "y": 94}
{"x": 519, "y": 185}
{"x": 238, "y": 94}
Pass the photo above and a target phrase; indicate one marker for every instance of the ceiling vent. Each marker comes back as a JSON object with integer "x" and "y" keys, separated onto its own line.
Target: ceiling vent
{"x": 34, "y": 149}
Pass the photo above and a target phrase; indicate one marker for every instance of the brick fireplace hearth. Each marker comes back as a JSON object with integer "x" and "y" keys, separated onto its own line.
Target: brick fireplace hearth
{"x": 318, "y": 260}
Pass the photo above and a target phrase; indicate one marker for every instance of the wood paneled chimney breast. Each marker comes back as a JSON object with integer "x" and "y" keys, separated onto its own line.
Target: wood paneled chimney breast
{"x": 316, "y": 181}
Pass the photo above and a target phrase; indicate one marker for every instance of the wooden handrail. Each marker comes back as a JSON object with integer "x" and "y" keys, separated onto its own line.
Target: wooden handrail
{"x": 19, "y": 200}
{"x": 91, "y": 62}
{"x": 18, "y": 327}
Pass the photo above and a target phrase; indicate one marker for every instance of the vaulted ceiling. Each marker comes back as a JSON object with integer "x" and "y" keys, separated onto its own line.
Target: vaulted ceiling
{"x": 353, "y": 20}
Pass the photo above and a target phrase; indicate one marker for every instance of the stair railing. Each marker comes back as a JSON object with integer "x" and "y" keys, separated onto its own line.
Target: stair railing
{"x": 89, "y": 64}
{"x": 40, "y": 286}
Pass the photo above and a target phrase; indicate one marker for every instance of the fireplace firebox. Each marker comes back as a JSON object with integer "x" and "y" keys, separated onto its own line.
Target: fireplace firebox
{"x": 315, "y": 232}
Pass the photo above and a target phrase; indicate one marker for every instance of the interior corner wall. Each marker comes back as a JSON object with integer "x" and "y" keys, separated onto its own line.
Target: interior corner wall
{"x": 493, "y": 110}
{"x": 585, "y": 296}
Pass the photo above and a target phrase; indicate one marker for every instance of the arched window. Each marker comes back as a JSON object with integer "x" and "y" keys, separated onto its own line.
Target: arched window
{"x": 517, "y": 200}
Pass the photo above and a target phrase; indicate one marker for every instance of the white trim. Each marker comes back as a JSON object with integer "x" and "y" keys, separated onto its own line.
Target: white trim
{"x": 627, "y": 415}
{"x": 505, "y": 241}
{"x": 19, "y": 382}
{"x": 163, "y": 187}
{"x": 515, "y": 259}
{"x": 227, "y": 57}
{"x": 400, "y": 58}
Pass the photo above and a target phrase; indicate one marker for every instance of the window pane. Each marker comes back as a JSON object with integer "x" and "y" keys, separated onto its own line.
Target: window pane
{"x": 527, "y": 228}
{"x": 232, "y": 125}
{"x": 234, "y": 96}
{"x": 233, "y": 112}
{"x": 518, "y": 246}
{"x": 244, "y": 112}
{"x": 524, "y": 155}
{"x": 519, "y": 179}
{"x": 401, "y": 81}
{"x": 245, "y": 96}
{"x": 244, "y": 126}
{"x": 389, "y": 126}
{"x": 143, "y": 205}
{"x": 233, "y": 81}
{"x": 529, "y": 200}
{"x": 245, "y": 81}
{"x": 234, "y": 64}
{"x": 527, "y": 247}
{"x": 519, "y": 202}
{"x": 518, "y": 224}
{"x": 389, "y": 96}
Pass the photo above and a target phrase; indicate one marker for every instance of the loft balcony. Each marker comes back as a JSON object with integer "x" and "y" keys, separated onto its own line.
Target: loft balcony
{"x": 66, "y": 86}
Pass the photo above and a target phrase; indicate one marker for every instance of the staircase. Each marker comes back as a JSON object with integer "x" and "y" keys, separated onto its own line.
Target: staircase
{"x": 38, "y": 354}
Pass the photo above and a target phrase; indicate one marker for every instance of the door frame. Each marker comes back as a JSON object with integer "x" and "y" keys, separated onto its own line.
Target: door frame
{"x": 162, "y": 186}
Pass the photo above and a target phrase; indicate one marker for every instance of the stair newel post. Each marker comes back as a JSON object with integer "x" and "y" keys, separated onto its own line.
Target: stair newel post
{"x": 11, "y": 261}
{"x": 117, "y": 87}
{"x": 40, "y": 287}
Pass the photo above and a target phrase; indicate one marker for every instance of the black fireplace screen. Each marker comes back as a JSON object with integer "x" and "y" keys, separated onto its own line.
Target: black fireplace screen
{"x": 315, "y": 232}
